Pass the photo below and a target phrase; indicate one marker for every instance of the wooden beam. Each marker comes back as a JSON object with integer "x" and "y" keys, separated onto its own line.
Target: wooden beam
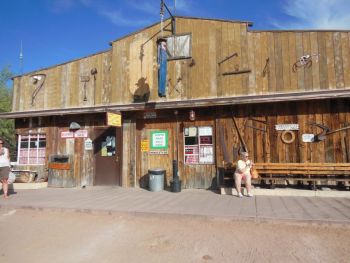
{"x": 222, "y": 101}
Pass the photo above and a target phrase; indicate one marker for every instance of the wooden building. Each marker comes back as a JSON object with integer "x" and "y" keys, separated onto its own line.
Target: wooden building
{"x": 277, "y": 86}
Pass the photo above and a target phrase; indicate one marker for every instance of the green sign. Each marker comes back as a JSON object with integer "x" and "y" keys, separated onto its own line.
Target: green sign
{"x": 159, "y": 140}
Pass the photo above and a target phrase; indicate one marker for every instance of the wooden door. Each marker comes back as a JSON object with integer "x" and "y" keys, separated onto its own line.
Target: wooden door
{"x": 107, "y": 151}
{"x": 155, "y": 158}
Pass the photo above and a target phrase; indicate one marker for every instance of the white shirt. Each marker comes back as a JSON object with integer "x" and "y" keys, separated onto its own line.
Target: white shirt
{"x": 4, "y": 157}
{"x": 243, "y": 167}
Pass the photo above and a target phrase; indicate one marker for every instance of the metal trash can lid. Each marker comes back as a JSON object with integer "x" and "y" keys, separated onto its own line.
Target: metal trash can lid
{"x": 156, "y": 171}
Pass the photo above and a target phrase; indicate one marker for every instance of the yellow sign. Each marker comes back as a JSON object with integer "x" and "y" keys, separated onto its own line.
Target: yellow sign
{"x": 114, "y": 119}
{"x": 144, "y": 145}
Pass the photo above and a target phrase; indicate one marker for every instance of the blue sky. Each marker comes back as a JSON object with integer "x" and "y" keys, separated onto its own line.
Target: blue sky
{"x": 56, "y": 31}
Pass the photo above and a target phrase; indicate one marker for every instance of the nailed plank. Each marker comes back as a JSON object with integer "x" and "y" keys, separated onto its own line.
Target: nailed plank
{"x": 219, "y": 56}
{"x": 212, "y": 62}
{"x": 315, "y": 61}
{"x": 330, "y": 60}
{"x": 338, "y": 61}
{"x": 258, "y": 64}
{"x": 265, "y": 63}
{"x": 292, "y": 59}
{"x": 251, "y": 89}
{"x": 271, "y": 53}
{"x": 279, "y": 62}
{"x": 321, "y": 36}
{"x": 345, "y": 47}
{"x": 300, "y": 52}
{"x": 302, "y": 113}
{"x": 244, "y": 56}
{"x": 286, "y": 63}
{"x": 319, "y": 148}
{"x": 327, "y": 120}
{"x": 307, "y": 70}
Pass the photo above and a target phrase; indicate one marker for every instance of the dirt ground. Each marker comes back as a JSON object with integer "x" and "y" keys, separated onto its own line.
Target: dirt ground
{"x": 49, "y": 236}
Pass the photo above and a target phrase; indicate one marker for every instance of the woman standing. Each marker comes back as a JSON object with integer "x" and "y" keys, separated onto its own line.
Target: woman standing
{"x": 4, "y": 167}
{"x": 243, "y": 173}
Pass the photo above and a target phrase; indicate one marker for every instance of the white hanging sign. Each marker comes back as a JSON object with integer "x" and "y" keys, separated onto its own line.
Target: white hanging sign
{"x": 67, "y": 134}
{"x": 287, "y": 127}
{"x": 202, "y": 131}
{"x": 88, "y": 144}
{"x": 81, "y": 134}
{"x": 308, "y": 137}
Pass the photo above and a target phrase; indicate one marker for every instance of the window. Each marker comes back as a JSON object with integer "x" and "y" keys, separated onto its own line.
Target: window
{"x": 199, "y": 147}
{"x": 179, "y": 46}
{"x": 31, "y": 149}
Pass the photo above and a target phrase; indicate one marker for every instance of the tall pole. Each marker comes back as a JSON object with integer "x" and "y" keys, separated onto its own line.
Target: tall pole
{"x": 161, "y": 17}
{"x": 21, "y": 59}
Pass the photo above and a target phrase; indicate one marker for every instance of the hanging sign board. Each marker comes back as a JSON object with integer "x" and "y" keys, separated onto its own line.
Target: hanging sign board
{"x": 202, "y": 131}
{"x": 308, "y": 137}
{"x": 159, "y": 142}
{"x": 114, "y": 119}
{"x": 67, "y": 134}
{"x": 88, "y": 144}
{"x": 287, "y": 127}
{"x": 206, "y": 154}
{"x": 76, "y": 134}
{"x": 144, "y": 145}
{"x": 150, "y": 115}
{"x": 81, "y": 134}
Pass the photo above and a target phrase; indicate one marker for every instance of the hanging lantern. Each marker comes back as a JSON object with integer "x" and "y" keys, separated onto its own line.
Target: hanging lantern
{"x": 192, "y": 115}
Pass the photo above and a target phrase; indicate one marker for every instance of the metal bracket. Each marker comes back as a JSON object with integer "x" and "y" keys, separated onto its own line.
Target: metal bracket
{"x": 85, "y": 79}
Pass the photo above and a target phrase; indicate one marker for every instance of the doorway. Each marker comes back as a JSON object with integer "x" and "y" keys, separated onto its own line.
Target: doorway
{"x": 107, "y": 152}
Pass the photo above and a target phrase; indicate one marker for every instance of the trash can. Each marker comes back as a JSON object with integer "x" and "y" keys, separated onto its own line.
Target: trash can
{"x": 156, "y": 179}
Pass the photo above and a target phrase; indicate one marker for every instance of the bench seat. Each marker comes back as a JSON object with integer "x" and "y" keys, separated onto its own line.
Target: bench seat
{"x": 306, "y": 172}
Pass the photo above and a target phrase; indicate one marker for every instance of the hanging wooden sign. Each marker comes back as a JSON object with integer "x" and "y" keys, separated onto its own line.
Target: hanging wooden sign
{"x": 81, "y": 134}
{"x": 114, "y": 119}
{"x": 287, "y": 127}
{"x": 150, "y": 115}
{"x": 67, "y": 134}
{"x": 144, "y": 145}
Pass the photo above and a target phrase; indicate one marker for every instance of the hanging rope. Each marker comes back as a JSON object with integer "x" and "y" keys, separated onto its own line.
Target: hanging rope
{"x": 161, "y": 16}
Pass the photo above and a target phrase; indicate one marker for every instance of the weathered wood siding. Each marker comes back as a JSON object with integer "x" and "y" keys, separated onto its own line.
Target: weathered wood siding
{"x": 268, "y": 146}
{"x": 192, "y": 176}
{"x": 83, "y": 160}
{"x": 63, "y": 88}
{"x": 130, "y": 67}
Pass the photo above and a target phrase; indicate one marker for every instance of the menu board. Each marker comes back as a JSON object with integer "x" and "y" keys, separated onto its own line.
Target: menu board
{"x": 198, "y": 148}
{"x": 206, "y": 154}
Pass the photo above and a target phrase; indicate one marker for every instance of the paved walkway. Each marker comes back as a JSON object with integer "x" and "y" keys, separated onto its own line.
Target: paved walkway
{"x": 186, "y": 203}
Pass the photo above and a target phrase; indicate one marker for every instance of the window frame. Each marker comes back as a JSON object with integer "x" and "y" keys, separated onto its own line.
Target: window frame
{"x": 37, "y": 139}
{"x": 179, "y": 57}
{"x": 197, "y": 147}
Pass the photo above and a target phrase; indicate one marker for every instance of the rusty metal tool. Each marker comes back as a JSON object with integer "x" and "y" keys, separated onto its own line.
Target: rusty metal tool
{"x": 244, "y": 146}
{"x": 325, "y": 131}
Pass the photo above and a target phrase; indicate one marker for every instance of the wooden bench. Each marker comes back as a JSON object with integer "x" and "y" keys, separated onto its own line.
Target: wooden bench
{"x": 305, "y": 172}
